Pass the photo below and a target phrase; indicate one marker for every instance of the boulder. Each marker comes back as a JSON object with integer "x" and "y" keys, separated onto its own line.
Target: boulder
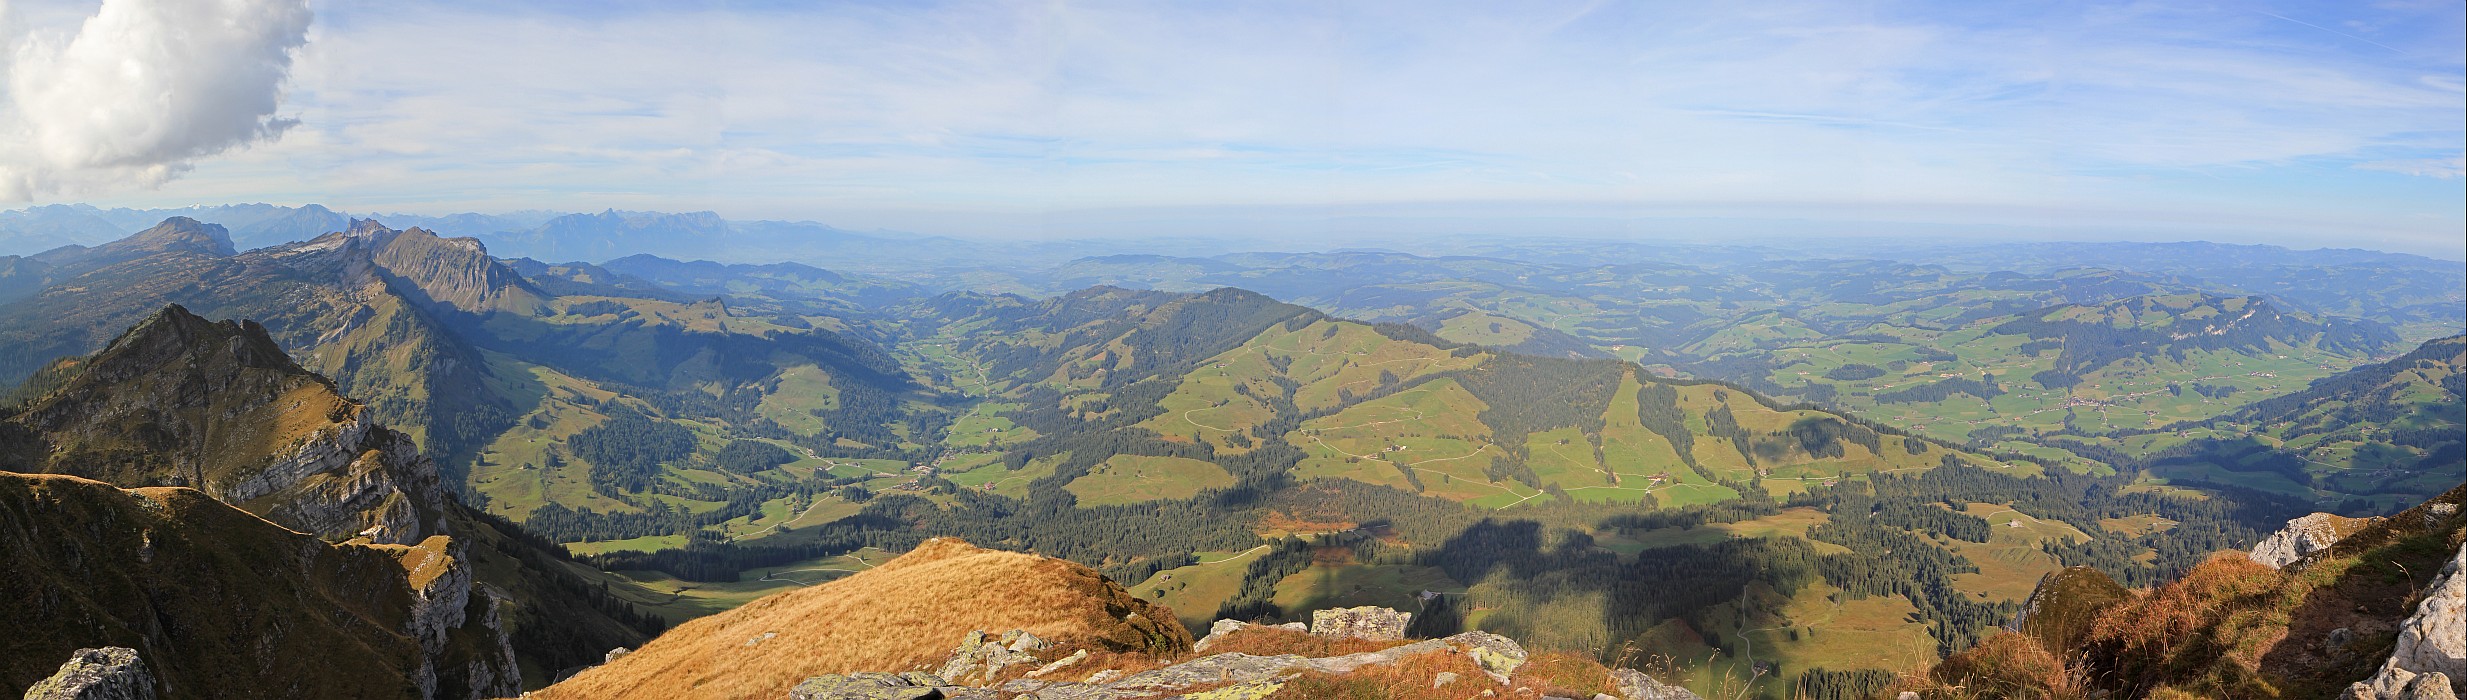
{"x": 109, "y": 673}
{"x": 1366, "y": 622}
{"x": 2304, "y": 536}
{"x": 1635, "y": 685}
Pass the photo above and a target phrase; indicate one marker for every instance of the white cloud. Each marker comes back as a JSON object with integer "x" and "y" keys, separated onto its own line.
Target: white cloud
{"x": 142, "y": 89}
{"x": 2450, "y": 168}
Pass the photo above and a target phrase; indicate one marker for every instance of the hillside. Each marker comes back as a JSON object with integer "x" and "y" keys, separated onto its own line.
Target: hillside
{"x": 900, "y": 615}
{"x": 2370, "y": 440}
{"x": 2371, "y": 610}
{"x": 220, "y": 603}
{"x": 1238, "y": 457}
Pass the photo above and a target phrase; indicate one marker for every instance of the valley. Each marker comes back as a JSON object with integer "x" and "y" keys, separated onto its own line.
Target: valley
{"x": 1752, "y": 474}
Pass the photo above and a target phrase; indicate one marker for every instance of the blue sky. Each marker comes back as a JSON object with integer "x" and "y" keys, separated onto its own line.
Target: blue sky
{"x": 2302, "y": 123}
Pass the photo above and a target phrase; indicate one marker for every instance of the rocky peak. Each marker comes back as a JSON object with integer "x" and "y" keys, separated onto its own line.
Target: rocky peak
{"x": 177, "y": 233}
{"x": 182, "y": 401}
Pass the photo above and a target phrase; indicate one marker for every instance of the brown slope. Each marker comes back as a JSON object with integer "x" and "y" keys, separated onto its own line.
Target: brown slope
{"x": 901, "y": 615}
{"x": 223, "y": 604}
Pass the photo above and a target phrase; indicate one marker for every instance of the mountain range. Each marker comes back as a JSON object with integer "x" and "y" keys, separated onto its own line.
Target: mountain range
{"x": 1749, "y": 468}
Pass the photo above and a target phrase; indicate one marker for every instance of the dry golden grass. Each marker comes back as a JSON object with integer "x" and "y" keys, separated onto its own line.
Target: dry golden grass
{"x": 1563, "y": 674}
{"x": 1269, "y": 641}
{"x": 1407, "y": 679}
{"x": 905, "y": 614}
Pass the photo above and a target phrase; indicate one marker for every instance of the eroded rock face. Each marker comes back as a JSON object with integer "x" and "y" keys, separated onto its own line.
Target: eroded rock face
{"x": 354, "y": 479}
{"x": 2430, "y": 660}
{"x": 2304, "y": 536}
{"x": 1366, "y": 622}
{"x": 109, "y": 673}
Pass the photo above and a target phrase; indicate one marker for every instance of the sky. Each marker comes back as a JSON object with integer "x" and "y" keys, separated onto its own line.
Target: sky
{"x": 2331, "y": 123}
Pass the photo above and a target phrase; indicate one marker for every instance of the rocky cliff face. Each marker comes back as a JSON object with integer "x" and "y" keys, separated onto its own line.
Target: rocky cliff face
{"x": 182, "y": 401}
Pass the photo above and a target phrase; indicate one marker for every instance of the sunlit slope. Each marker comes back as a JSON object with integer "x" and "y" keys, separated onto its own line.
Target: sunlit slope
{"x": 1392, "y": 405}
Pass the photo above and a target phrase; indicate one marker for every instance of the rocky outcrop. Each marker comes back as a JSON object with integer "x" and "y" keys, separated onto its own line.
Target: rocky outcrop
{"x": 980, "y": 659}
{"x": 1635, "y": 685}
{"x": 1366, "y": 622}
{"x": 109, "y": 673}
{"x": 2304, "y": 536}
{"x": 2430, "y": 660}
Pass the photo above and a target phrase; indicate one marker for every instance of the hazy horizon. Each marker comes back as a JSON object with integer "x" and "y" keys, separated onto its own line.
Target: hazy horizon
{"x": 2314, "y": 125}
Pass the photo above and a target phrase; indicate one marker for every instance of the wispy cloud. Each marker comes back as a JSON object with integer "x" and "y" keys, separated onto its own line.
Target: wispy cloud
{"x": 835, "y": 111}
{"x": 2450, "y": 168}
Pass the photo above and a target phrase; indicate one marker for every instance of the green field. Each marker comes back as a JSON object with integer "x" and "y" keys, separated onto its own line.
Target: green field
{"x": 1134, "y": 478}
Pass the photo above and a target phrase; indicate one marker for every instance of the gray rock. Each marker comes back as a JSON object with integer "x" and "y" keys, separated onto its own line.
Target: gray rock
{"x": 615, "y": 654}
{"x": 1442, "y": 679}
{"x": 1366, "y": 622}
{"x": 1635, "y": 685}
{"x": 2432, "y": 644}
{"x": 109, "y": 673}
{"x": 2338, "y": 639}
{"x": 978, "y": 660}
{"x": 2430, "y": 686}
{"x": 2304, "y": 536}
{"x": 883, "y": 686}
{"x": 1496, "y": 654}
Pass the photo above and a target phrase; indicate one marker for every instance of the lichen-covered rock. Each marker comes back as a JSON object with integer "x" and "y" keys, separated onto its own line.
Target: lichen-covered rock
{"x": 2304, "y": 536}
{"x": 1496, "y": 654}
{"x": 1635, "y": 685}
{"x": 1217, "y": 632}
{"x": 979, "y": 659}
{"x": 2431, "y": 656}
{"x": 883, "y": 686}
{"x": 1366, "y": 622}
{"x": 109, "y": 673}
